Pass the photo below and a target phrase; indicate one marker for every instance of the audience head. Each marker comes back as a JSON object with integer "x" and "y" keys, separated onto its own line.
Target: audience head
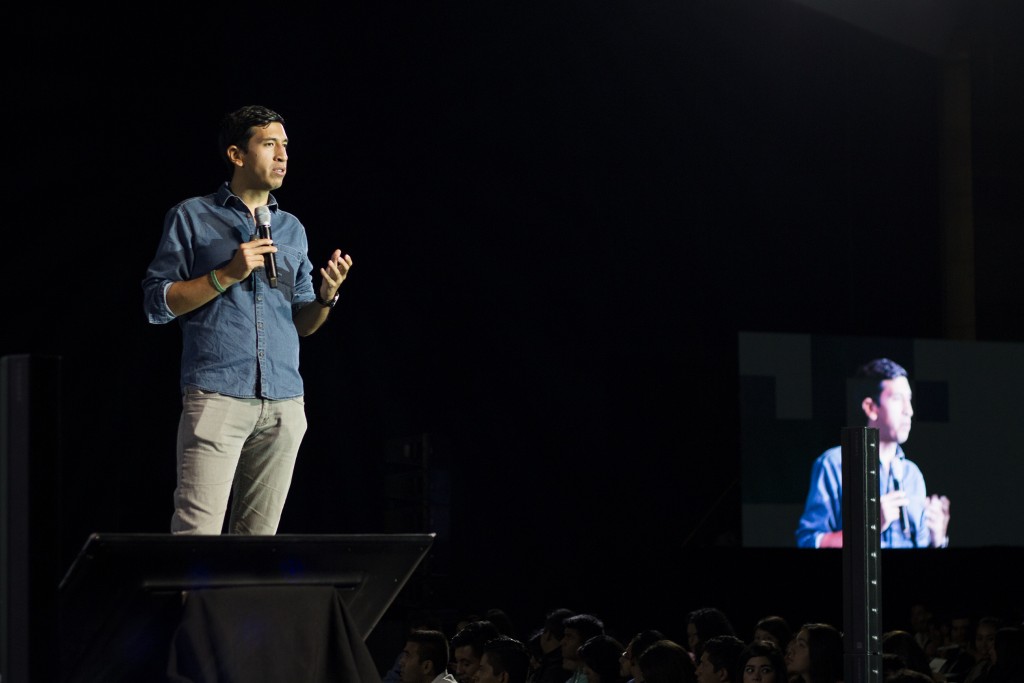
{"x": 578, "y": 629}
{"x": 904, "y": 644}
{"x": 891, "y": 664}
{"x": 600, "y": 658}
{"x": 467, "y": 647}
{"x": 424, "y": 656}
{"x": 554, "y": 629}
{"x": 665, "y": 661}
{"x": 504, "y": 660}
{"x": 774, "y": 628}
{"x": 719, "y": 660}
{"x": 815, "y": 654}
{"x": 705, "y": 623}
{"x": 501, "y": 621}
{"x": 762, "y": 661}
{"x": 630, "y": 660}
{"x": 985, "y": 636}
{"x": 961, "y": 631}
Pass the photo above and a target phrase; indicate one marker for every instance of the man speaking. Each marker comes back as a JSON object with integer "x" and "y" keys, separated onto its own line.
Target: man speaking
{"x": 909, "y": 518}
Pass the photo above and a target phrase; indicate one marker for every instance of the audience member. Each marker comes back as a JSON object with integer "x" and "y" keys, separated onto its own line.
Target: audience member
{"x": 705, "y": 623}
{"x": 550, "y": 669}
{"x": 501, "y": 621}
{"x": 775, "y": 629}
{"x": 984, "y": 639}
{"x": 666, "y": 661}
{"x": 468, "y": 646}
{"x": 600, "y": 658}
{"x": 920, "y": 616}
{"x": 762, "y": 661}
{"x": 630, "y": 660}
{"x": 906, "y": 645}
{"x": 956, "y": 658}
{"x": 1007, "y": 655}
{"x": 720, "y": 660}
{"x": 425, "y": 658}
{"x": 892, "y": 664}
{"x": 504, "y": 660}
{"x": 815, "y": 655}
{"x": 578, "y": 629}
{"x": 418, "y": 620}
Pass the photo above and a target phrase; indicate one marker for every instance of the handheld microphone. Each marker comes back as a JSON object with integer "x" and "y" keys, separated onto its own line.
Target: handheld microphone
{"x": 896, "y": 486}
{"x": 263, "y": 230}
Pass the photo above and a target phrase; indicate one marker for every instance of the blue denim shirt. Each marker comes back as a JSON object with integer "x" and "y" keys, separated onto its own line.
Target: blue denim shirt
{"x": 823, "y": 510}
{"x": 242, "y": 343}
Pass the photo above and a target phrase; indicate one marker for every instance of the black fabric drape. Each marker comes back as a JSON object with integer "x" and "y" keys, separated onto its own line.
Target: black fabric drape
{"x": 299, "y": 634}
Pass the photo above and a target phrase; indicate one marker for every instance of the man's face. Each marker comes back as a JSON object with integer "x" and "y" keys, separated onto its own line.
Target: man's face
{"x": 485, "y": 673}
{"x": 548, "y": 641}
{"x": 570, "y": 644}
{"x": 892, "y": 413}
{"x": 265, "y": 161}
{"x": 466, "y": 663}
{"x": 959, "y": 630}
{"x": 706, "y": 670}
{"x": 411, "y": 669}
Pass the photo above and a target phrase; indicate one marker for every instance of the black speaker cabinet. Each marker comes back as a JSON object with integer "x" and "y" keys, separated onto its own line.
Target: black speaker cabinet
{"x": 30, "y": 427}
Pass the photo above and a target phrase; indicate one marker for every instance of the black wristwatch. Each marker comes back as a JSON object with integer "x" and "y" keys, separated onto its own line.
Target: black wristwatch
{"x": 328, "y": 304}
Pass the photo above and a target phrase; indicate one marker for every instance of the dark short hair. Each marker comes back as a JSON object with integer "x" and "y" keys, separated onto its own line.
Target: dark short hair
{"x": 433, "y": 647}
{"x": 871, "y": 375}
{"x": 554, "y": 621}
{"x": 643, "y": 640}
{"x": 475, "y": 634}
{"x": 237, "y": 127}
{"x": 724, "y": 653}
{"x": 601, "y": 653}
{"x": 666, "y": 661}
{"x": 505, "y": 654}
{"x": 709, "y": 622}
{"x": 587, "y": 625}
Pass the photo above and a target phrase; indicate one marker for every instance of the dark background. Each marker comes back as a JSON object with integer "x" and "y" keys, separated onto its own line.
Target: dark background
{"x": 561, "y": 217}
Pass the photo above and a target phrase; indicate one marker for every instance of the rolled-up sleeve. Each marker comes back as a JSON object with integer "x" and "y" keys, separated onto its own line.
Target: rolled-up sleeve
{"x": 822, "y": 511}
{"x": 172, "y": 263}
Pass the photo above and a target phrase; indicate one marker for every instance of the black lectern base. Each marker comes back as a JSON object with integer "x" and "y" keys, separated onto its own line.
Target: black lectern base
{"x": 229, "y": 608}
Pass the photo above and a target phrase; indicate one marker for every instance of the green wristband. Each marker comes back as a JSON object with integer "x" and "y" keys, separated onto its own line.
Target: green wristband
{"x": 215, "y": 282}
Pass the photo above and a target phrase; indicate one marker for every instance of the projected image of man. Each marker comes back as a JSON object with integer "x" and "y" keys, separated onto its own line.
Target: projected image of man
{"x": 909, "y": 517}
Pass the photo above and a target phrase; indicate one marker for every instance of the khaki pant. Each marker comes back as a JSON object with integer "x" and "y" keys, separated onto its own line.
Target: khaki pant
{"x": 242, "y": 449}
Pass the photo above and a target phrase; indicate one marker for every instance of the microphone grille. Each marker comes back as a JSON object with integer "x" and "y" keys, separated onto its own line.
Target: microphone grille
{"x": 262, "y": 215}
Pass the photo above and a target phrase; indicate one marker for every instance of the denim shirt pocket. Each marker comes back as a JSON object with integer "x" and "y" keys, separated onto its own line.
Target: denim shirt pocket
{"x": 288, "y": 261}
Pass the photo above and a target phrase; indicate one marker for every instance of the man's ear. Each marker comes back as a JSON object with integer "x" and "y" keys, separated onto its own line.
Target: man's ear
{"x": 235, "y": 154}
{"x": 427, "y": 668}
{"x": 870, "y": 408}
{"x": 723, "y": 675}
{"x": 503, "y": 677}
